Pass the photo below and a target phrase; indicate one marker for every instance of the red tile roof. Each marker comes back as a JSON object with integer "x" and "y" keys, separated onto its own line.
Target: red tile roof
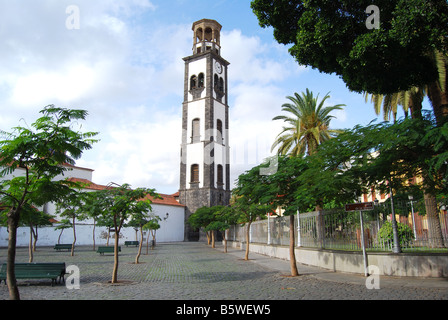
{"x": 167, "y": 199}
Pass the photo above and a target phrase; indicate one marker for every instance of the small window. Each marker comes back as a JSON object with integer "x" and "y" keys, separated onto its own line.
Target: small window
{"x": 195, "y": 131}
{"x": 216, "y": 81}
{"x": 221, "y": 85}
{"x": 193, "y": 82}
{"x": 220, "y": 175}
{"x": 201, "y": 80}
{"x": 194, "y": 173}
{"x": 219, "y": 138}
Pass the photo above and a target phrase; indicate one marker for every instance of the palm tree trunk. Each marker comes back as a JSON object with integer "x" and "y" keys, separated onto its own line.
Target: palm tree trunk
{"x": 439, "y": 102}
{"x": 434, "y": 230}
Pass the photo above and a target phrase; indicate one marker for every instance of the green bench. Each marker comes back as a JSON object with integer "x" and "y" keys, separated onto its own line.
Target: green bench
{"x": 35, "y": 270}
{"x": 103, "y": 250}
{"x": 63, "y": 246}
{"x": 131, "y": 243}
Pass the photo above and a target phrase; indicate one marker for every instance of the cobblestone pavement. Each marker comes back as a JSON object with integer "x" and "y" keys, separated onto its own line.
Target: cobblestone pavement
{"x": 194, "y": 271}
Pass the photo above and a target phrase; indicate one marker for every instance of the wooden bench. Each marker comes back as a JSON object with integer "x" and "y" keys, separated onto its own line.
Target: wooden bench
{"x": 63, "y": 246}
{"x": 35, "y": 270}
{"x": 131, "y": 243}
{"x": 111, "y": 249}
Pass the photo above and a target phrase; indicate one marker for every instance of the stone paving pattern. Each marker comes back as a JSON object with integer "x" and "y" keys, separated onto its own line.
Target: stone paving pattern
{"x": 195, "y": 271}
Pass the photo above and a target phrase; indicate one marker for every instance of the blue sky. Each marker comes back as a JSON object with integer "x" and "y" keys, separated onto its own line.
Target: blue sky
{"x": 124, "y": 65}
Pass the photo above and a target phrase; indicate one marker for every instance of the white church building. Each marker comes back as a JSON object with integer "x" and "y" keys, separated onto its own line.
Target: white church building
{"x": 168, "y": 209}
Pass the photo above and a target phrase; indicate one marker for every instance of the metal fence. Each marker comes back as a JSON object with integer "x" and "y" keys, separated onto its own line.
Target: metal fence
{"x": 418, "y": 229}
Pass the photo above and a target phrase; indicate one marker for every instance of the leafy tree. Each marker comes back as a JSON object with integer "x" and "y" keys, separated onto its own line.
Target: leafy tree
{"x": 92, "y": 209}
{"x": 64, "y": 224}
{"x": 201, "y": 219}
{"x": 332, "y": 37}
{"x": 224, "y": 217}
{"x": 251, "y": 201}
{"x": 152, "y": 226}
{"x": 388, "y": 156}
{"x": 282, "y": 188}
{"x": 308, "y": 124}
{"x": 121, "y": 203}
{"x": 138, "y": 220}
{"x": 34, "y": 218}
{"x": 71, "y": 207}
{"x": 38, "y": 154}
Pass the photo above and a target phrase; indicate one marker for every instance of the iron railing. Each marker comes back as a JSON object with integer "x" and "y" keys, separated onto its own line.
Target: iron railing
{"x": 421, "y": 227}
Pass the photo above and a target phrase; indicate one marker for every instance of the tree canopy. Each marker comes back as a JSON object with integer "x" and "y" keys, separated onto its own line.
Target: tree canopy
{"x": 332, "y": 36}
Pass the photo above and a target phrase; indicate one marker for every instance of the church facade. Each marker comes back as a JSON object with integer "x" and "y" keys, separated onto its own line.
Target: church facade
{"x": 205, "y": 161}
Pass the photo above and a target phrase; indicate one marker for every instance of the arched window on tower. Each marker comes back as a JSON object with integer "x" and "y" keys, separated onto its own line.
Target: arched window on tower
{"x": 201, "y": 80}
{"x": 195, "y": 131}
{"x": 219, "y": 138}
{"x": 193, "y": 82}
{"x": 220, "y": 181}
{"x": 221, "y": 85}
{"x": 194, "y": 173}
{"x": 216, "y": 81}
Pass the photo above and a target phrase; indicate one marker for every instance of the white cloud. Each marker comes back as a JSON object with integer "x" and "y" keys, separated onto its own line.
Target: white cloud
{"x": 130, "y": 78}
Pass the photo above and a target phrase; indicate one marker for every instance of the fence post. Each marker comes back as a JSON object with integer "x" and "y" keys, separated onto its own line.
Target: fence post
{"x": 299, "y": 242}
{"x": 363, "y": 245}
{"x": 269, "y": 228}
{"x": 320, "y": 228}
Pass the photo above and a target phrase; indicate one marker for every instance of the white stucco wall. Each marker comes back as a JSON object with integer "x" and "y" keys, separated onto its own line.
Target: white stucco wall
{"x": 171, "y": 229}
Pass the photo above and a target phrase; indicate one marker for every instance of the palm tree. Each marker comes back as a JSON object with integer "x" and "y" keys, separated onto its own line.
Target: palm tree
{"x": 307, "y": 124}
{"x": 411, "y": 100}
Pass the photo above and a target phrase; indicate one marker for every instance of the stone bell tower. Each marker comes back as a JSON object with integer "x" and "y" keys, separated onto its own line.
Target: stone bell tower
{"x": 204, "y": 165}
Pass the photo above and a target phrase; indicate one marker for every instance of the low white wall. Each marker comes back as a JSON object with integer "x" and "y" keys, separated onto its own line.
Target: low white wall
{"x": 171, "y": 230}
{"x": 390, "y": 264}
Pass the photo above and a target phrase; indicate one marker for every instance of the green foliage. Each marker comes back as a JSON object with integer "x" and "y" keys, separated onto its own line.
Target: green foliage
{"x": 405, "y": 233}
{"x": 332, "y": 36}
{"x": 152, "y": 224}
{"x": 307, "y": 124}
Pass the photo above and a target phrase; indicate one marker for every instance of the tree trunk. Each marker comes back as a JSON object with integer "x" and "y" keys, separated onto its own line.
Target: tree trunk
{"x": 207, "y": 233}
{"x": 434, "y": 230}
{"x": 74, "y": 238}
{"x": 13, "y": 222}
{"x": 35, "y": 237}
{"x": 225, "y": 240}
{"x": 153, "y": 239}
{"x": 94, "y": 225}
{"x": 246, "y": 257}
{"x": 147, "y": 242}
{"x": 139, "y": 246}
{"x": 30, "y": 246}
{"x": 292, "y": 255}
{"x": 213, "y": 238}
{"x": 115, "y": 270}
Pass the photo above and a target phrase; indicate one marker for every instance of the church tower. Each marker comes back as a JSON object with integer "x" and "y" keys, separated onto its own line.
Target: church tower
{"x": 204, "y": 165}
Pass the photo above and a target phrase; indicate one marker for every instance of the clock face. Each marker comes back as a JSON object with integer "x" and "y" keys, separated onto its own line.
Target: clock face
{"x": 218, "y": 67}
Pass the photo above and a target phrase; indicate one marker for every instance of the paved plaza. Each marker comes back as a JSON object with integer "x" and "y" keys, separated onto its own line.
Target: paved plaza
{"x": 195, "y": 271}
